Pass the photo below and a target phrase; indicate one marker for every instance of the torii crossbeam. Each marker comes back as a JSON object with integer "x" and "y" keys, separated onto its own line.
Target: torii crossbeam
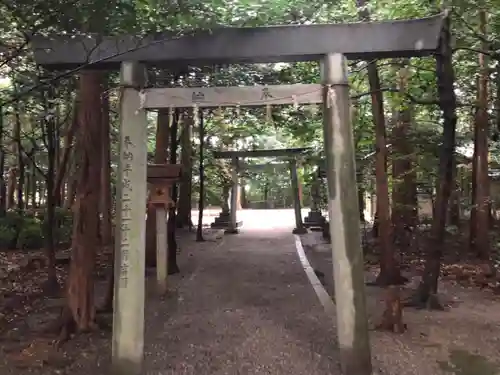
{"x": 230, "y": 45}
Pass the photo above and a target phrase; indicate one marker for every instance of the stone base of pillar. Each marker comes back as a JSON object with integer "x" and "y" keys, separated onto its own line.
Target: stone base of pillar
{"x": 300, "y": 230}
{"x": 222, "y": 221}
{"x": 314, "y": 219}
{"x": 231, "y": 231}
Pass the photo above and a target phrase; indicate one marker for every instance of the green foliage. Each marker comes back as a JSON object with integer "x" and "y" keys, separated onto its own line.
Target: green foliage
{"x": 26, "y": 230}
{"x": 8, "y": 236}
{"x": 248, "y": 128}
{"x": 31, "y": 235}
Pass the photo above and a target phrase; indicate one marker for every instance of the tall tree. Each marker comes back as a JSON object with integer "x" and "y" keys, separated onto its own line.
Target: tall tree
{"x": 79, "y": 313}
{"x": 482, "y": 182}
{"x": 389, "y": 268}
{"x": 426, "y": 294}
{"x": 185, "y": 189}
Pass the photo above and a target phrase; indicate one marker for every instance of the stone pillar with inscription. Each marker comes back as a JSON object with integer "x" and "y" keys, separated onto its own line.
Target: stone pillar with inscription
{"x": 128, "y": 311}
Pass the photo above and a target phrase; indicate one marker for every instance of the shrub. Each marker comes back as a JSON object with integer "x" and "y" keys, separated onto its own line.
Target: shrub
{"x": 8, "y": 237}
{"x": 14, "y": 219}
{"x": 10, "y": 226}
{"x": 31, "y": 235}
{"x": 62, "y": 226}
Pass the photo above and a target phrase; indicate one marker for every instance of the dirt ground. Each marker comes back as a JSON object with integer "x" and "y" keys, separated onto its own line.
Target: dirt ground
{"x": 26, "y": 347}
{"x": 464, "y": 339}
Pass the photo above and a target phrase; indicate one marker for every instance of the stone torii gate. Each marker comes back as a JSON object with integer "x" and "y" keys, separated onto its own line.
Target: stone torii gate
{"x": 330, "y": 44}
{"x": 267, "y": 167}
{"x": 235, "y": 156}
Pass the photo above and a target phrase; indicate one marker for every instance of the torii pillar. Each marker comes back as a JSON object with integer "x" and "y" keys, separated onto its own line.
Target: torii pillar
{"x": 233, "y": 224}
{"x": 299, "y": 225}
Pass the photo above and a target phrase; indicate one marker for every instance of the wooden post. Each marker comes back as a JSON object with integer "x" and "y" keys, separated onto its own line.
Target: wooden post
{"x": 352, "y": 325}
{"x": 299, "y": 225}
{"x": 128, "y": 312}
{"x": 233, "y": 225}
{"x": 161, "y": 178}
{"x": 161, "y": 249}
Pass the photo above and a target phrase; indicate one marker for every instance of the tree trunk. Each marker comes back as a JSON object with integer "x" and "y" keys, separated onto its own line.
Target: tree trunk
{"x": 243, "y": 196}
{"x": 80, "y": 311}
{"x": 454, "y": 211}
{"x": 161, "y": 154}
{"x": 72, "y": 182}
{"x": 404, "y": 198}
{"x": 172, "y": 221}
{"x": 185, "y": 194}
{"x": 52, "y": 285}
{"x": 361, "y": 203}
{"x": 20, "y": 182}
{"x": 238, "y": 199}
{"x": 105, "y": 203}
{"x": 3, "y": 188}
{"x": 11, "y": 186}
{"x": 482, "y": 219}
{"x": 448, "y": 104}
{"x": 389, "y": 268}
{"x": 201, "y": 199}
{"x": 63, "y": 169}
{"x": 34, "y": 183}
{"x": 19, "y": 156}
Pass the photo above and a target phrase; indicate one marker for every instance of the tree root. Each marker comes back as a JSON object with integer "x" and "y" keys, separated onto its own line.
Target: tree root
{"x": 384, "y": 281}
{"x": 392, "y": 318}
{"x": 65, "y": 327}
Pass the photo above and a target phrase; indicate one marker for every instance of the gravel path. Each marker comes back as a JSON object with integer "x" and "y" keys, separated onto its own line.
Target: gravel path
{"x": 246, "y": 307}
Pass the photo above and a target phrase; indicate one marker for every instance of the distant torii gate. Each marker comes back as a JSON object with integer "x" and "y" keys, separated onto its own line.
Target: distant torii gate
{"x": 235, "y": 156}
{"x": 330, "y": 44}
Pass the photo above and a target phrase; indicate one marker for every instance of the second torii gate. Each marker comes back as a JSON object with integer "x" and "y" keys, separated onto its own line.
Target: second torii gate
{"x": 235, "y": 156}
